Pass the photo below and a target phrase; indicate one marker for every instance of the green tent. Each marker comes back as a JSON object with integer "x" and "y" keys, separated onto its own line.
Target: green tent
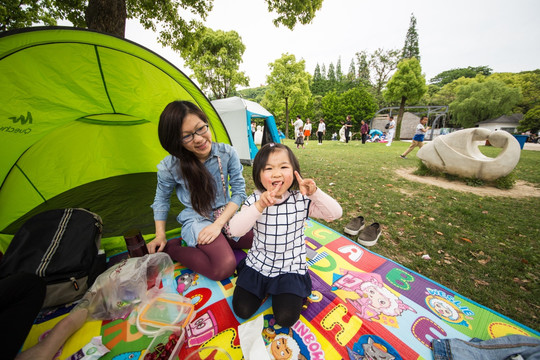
{"x": 78, "y": 128}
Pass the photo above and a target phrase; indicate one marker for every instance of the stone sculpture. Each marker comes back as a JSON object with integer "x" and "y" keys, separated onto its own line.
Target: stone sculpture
{"x": 457, "y": 153}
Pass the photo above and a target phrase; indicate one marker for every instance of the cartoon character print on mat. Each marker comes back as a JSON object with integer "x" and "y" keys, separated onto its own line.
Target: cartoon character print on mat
{"x": 201, "y": 329}
{"x": 132, "y": 355}
{"x": 185, "y": 280}
{"x": 446, "y": 307}
{"x": 372, "y": 347}
{"x": 373, "y": 299}
{"x": 282, "y": 343}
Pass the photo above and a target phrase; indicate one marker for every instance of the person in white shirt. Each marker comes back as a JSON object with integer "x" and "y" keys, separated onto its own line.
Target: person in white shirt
{"x": 391, "y": 131}
{"x": 321, "y": 130}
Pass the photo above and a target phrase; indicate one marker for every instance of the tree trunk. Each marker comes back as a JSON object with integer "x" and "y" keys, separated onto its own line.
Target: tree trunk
{"x": 287, "y": 117}
{"x": 397, "y": 135}
{"x": 108, "y": 16}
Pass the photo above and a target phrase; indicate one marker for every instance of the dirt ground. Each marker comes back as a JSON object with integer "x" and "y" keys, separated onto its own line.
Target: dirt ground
{"x": 520, "y": 189}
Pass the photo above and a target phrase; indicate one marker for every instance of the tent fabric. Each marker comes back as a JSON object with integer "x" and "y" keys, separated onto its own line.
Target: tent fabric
{"x": 78, "y": 108}
{"x": 237, "y": 113}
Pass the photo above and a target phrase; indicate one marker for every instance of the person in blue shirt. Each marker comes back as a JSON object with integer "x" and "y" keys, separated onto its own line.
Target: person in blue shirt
{"x": 207, "y": 179}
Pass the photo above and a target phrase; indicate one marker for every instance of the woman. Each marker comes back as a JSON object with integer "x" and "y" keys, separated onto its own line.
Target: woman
{"x": 201, "y": 172}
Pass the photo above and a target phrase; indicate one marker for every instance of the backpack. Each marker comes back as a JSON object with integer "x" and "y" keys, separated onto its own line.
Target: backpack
{"x": 63, "y": 247}
{"x": 387, "y": 126}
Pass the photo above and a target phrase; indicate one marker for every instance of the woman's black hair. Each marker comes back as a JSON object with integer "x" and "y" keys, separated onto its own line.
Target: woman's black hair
{"x": 200, "y": 182}
{"x": 262, "y": 158}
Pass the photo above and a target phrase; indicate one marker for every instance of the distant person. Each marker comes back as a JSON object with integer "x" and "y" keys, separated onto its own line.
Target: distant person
{"x": 334, "y": 136}
{"x": 298, "y": 125}
{"x": 253, "y": 128}
{"x": 307, "y": 130}
{"x": 364, "y": 130}
{"x": 348, "y": 129}
{"x": 418, "y": 138}
{"x": 391, "y": 131}
{"x": 276, "y": 212}
{"x": 299, "y": 138}
{"x": 321, "y": 130}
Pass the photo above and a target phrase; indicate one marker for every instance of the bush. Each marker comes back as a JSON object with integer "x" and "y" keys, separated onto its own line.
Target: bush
{"x": 506, "y": 182}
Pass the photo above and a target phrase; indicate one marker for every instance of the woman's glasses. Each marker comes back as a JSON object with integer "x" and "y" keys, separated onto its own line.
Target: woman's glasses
{"x": 200, "y": 131}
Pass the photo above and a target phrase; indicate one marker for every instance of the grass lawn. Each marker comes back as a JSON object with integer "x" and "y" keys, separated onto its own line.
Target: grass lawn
{"x": 484, "y": 248}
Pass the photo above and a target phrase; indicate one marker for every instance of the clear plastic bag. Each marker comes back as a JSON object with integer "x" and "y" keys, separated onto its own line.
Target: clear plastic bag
{"x": 118, "y": 290}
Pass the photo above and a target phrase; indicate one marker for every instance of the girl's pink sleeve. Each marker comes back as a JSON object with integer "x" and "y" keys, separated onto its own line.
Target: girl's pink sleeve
{"x": 323, "y": 206}
{"x": 244, "y": 220}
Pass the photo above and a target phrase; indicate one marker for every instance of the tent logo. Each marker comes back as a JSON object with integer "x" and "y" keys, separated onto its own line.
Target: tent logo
{"x": 22, "y": 119}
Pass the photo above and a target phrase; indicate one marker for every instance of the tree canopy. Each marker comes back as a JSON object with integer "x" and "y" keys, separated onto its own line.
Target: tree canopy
{"x": 479, "y": 101}
{"x": 179, "y": 21}
{"x": 446, "y": 77}
{"x": 215, "y": 59}
{"x": 411, "y": 48}
{"x": 406, "y": 85}
{"x": 288, "y": 85}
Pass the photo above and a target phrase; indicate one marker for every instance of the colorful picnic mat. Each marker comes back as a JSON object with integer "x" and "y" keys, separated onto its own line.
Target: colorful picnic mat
{"x": 361, "y": 304}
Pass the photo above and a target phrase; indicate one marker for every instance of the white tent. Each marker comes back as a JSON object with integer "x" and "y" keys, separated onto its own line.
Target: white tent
{"x": 237, "y": 114}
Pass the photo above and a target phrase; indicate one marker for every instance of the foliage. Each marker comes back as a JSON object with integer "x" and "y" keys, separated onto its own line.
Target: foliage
{"x": 531, "y": 121}
{"x": 411, "y": 48}
{"x": 448, "y": 76}
{"x": 292, "y": 11}
{"x": 479, "y": 101}
{"x": 406, "y": 85}
{"x": 20, "y": 14}
{"x": 529, "y": 84}
{"x": 253, "y": 94}
{"x": 288, "y": 86}
{"x": 383, "y": 63}
{"x": 215, "y": 59}
{"x": 169, "y": 16}
{"x": 506, "y": 182}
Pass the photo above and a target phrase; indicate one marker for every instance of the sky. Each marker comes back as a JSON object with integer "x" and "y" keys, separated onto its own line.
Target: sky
{"x": 501, "y": 34}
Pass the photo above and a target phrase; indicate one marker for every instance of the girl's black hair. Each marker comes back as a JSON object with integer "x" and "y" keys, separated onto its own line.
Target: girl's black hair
{"x": 262, "y": 158}
{"x": 200, "y": 182}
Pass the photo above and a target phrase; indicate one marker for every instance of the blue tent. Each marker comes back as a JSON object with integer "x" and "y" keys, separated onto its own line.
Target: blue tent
{"x": 237, "y": 114}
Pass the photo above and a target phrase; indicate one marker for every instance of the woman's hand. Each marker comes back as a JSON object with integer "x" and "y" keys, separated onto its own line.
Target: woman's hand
{"x": 307, "y": 186}
{"x": 158, "y": 244}
{"x": 209, "y": 234}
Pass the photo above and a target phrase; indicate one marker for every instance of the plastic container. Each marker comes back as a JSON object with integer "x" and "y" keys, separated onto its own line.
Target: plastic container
{"x": 160, "y": 343}
{"x": 165, "y": 311}
{"x": 136, "y": 246}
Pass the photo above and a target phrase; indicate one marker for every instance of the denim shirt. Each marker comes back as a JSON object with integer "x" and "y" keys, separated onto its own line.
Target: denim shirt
{"x": 169, "y": 179}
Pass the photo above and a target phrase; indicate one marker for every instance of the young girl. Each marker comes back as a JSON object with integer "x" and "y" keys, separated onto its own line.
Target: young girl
{"x": 276, "y": 211}
{"x": 200, "y": 172}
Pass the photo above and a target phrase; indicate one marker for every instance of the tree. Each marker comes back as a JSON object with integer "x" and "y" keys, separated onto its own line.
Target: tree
{"x": 529, "y": 84}
{"x": 407, "y": 85}
{"x": 479, "y": 101}
{"x": 107, "y": 15}
{"x": 288, "y": 85}
{"x": 318, "y": 83}
{"x": 531, "y": 121}
{"x": 383, "y": 63}
{"x": 358, "y": 103}
{"x": 215, "y": 59}
{"x": 351, "y": 74}
{"x": 363, "y": 67}
{"x": 448, "y": 76}
{"x": 411, "y": 49}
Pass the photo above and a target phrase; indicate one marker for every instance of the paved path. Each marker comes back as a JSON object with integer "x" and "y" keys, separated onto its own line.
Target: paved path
{"x": 531, "y": 146}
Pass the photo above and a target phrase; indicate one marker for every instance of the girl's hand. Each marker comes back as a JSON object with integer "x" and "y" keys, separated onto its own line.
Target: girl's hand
{"x": 268, "y": 198}
{"x": 157, "y": 245}
{"x": 209, "y": 234}
{"x": 307, "y": 186}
